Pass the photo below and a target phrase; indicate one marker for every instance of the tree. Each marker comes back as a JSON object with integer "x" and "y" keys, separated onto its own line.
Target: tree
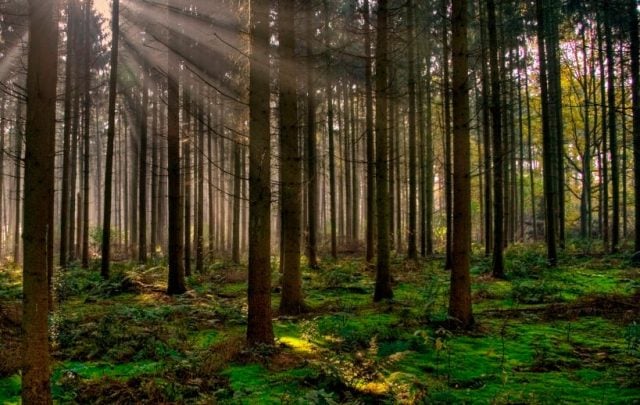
{"x": 38, "y": 197}
{"x": 498, "y": 149}
{"x": 290, "y": 165}
{"x": 259, "y": 327}
{"x": 310, "y": 147}
{"x": 547, "y": 141}
{"x": 70, "y": 70}
{"x": 460, "y": 295}
{"x": 142, "y": 180}
{"x": 383, "y": 275}
{"x": 86, "y": 79}
{"x": 412, "y": 252}
{"x": 176, "y": 284}
{"x": 611, "y": 120}
{"x": 635, "y": 95}
{"x": 370, "y": 140}
{"x": 111, "y": 125}
{"x": 330, "y": 130}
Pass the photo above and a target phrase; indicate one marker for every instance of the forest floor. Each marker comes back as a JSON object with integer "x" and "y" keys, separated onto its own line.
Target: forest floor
{"x": 567, "y": 335}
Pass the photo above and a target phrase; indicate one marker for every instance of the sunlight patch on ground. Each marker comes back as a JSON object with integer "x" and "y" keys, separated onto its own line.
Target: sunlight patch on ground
{"x": 298, "y": 345}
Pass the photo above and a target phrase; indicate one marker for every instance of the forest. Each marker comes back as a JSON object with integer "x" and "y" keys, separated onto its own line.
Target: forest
{"x": 319, "y": 201}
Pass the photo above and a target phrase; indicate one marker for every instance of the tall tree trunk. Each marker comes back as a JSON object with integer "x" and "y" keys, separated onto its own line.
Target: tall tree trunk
{"x": 412, "y": 248}
{"x": 585, "y": 196}
{"x": 18, "y": 182}
{"x": 154, "y": 173}
{"x": 448, "y": 190}
{"x": 383, "y": 273}
{"x": 498, "y": 148}
{"x": 176, "y": 283}
{"x": 613, "y": 136}
{"x": 108, "y": 172}
{"x": 534, "y": 218}
{"x": 186, "y": 137}
{"x": 291, "y": 182}
{"x": 635, "y": 96}
{"x": 311, "y": 152}
{"x": 486, "y": 135}
{"x": 552, "y": 42}
{"x": 38, "y": 198}
{"x": 66, "y": 143}
{"x": 210, "y": 183}
{"x": 604, "y": 182}
{"x": 259, "y": 326}
{"x": 370, "y": 146}
{"x": 142, "y": 185}
{"x": 87, "y": 130}
{"x": 547, "y": 140}
{"x": 460, "y": 297}
{"x": 200, "y": 187}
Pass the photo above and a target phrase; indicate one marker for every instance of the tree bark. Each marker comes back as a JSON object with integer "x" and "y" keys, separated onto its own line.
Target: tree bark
{"x": 259, "y": 326}
{"x": 39, "y": 198}
{"x": 635, "y": 96}
{"x": 176, "y": 283}
{"x": 460, "y": 296}
{"x": 498, "y": 149}
{"x": 383, "y": 275}
{"x": 371, "y": 153}
{"x": 412, "y": 248}
{"x": 292, "y": 302}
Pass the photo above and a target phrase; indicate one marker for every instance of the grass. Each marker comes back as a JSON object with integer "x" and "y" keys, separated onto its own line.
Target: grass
{"x": 543, "y": 336}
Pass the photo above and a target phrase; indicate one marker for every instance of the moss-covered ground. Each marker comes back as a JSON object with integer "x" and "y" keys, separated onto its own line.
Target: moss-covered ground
{"x": 564, "y": 335}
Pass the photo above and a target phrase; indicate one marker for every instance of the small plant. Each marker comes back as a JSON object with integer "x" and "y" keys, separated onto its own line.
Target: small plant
{"x": 632, "y": 337}
{"x": 318, "y": 397}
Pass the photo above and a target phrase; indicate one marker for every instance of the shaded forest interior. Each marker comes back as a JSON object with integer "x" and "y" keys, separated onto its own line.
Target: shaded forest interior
{"x": 324, "y": 201}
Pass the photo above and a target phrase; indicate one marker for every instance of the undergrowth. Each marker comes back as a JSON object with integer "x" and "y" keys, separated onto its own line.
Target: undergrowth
{"x": 569, "y": 334}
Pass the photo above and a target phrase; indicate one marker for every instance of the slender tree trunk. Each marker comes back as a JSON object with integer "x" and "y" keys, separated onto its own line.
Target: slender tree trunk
{"x": 330, "y": 130}
{"x": 383, "y": 273}
{"x": 142, "y": 185}
{"x": 108, "y": 172}
{"x": 38, "y": 198}
{"x": 635, "y": 95}
{"x": 176, "y": 284}
{"x": 604, "y": 182}
{"x": 210, "y": 184}
{"x": 613, "y": 136}
{"x": 460, "y": 297}
{"x": 259, "y": 326}
{"x": 87, "y": 129}
{"x": 412, "y": 249}
{"x": 486, "y": 135}
{"x": 18, "y": 183}
{"x": 200, "y": 199}
{"x": 448, "y": 189}
{"x": 534, "y": 218}
{"x": 187, "y": 105}
{"x": 547, "y": 140}
{"x": 585, "y": 197}
{"x": 235, "y": 256}
{"x": 498, "y": 149}
{"x": 66, "y": 143}
{"x": 371, "y": 164}
{"x": 154, "y": 174}
{"x": 312, "y": 170}
{"x": 290, "y": 166}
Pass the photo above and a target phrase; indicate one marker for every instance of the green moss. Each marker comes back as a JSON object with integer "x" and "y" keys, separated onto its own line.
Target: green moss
{"x": 253, "y": 384}
{"x": 10, "y": 389}
{"x": 90, "y": 370}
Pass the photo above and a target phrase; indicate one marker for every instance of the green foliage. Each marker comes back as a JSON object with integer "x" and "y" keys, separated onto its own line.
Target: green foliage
{"x": 632, "y": 337}
{"x": 124, "y": 341}
{"x": 535, "y": 291}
